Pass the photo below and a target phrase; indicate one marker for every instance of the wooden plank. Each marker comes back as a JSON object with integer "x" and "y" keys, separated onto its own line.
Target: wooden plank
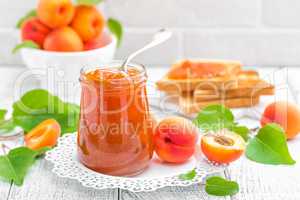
{"x": 171, "y": 193}
{"x": 268, "y": 182}
{"x": 41, "y": 183}
{"x": 4, "y": 189}
{"x": 195, "y": 192}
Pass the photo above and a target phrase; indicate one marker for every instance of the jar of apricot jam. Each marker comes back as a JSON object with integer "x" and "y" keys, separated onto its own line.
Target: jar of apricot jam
{"x": 115, "y": 130}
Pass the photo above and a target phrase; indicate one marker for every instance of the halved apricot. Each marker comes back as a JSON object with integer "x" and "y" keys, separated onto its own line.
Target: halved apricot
{"x": 43, "y": 135}
{"x": 222, "y": 147}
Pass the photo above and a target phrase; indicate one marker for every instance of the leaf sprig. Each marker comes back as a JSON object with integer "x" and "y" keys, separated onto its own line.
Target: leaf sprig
{"x": 26, "y": 44}
{"x": 214, "y": 185}
{"x": 269, "y": 147}
{"x": 219, "y": 186}
{"x": 115, "y": 28}
{"x": 31, "y": 13}
{"x": 217, "y": 117}
{"x": 14, "y": 165}
{"x": 38, "y": 105}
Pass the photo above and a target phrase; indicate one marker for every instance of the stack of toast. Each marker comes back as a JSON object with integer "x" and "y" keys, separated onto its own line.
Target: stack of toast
{"x": 199, "y": 83}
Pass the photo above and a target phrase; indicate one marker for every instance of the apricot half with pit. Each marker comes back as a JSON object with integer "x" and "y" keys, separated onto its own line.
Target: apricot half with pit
{"x": 222, "y": 147}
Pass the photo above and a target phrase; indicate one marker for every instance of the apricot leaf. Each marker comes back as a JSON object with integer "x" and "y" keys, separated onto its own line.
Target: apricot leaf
{"x": 190, "y": 175}
{"x": 115, "y": 28}
{"x": 2, "y": 114}
{"x": 214, "y": 117}
{"x": 89, "y": 2}
{"x": 269, "y": 146}
{"x": 31, "y": 13}
{"x": 6, "y": 126}
{"x": 25, "y": 44}
{"x": 219, "y": 186}
{"x": 38, "y": 105}
{"x": 243, "y": 131}
{"x": 14, "y": 165}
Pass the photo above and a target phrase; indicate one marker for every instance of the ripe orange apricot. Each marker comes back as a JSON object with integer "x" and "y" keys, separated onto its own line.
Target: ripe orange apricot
{"x": 286, "y": 114}
{"x": 175, "y": 139}
{"x": 63, "y": 39}
{"x": 33, "y": 29}
{"x": 55, "y": 13}
{"x": 223, "y": 147}
{"x": 43, "y": 135}
{"x": 88, "y": 22}
{"x": 98, "y": 42}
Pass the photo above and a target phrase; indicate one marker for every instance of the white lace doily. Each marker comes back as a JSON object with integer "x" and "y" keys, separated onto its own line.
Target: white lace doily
{"x": 64, "y": 158}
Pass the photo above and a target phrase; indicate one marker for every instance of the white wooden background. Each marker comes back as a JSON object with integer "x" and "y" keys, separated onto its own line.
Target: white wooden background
{"x": 256, "y": 181}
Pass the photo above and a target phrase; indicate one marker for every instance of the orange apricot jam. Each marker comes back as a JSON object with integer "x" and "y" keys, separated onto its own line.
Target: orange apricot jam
{"x": 115, "y": 131}
{"x": 189, "y": 69}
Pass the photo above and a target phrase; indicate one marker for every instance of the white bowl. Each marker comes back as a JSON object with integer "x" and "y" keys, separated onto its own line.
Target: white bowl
{"x": 54, "y": 68}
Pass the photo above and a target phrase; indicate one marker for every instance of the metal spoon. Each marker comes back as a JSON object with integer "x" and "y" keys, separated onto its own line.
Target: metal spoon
{"x": 161, "y": 36}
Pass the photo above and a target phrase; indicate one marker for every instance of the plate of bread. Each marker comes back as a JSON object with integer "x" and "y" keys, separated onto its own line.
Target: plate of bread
{"x": 194, "y": 84}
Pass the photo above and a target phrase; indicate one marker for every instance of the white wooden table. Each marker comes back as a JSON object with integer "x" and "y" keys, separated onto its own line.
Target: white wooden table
{"x": 256, "y": 181}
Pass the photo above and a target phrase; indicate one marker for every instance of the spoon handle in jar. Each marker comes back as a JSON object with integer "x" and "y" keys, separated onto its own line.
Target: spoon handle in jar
{"x": 161, "y": 36}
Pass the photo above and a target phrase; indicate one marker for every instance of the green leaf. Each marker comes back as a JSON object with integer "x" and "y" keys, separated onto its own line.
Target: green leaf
{"x": 269, "y": 146}
{"x": 15, "y": 164}
{"x": 214, "y": 118}
{"x": 88, "y": 2}
{"x": 6, "y": 126}
{"x": 31, "y": 13}
{"x": 243, "y": 131}
{"x": 2, "y": 114}
{"x": 188, "y": 176}
{"x": 38, "y": 105}
{"x": 25, "y": 44}
{"x": 115, "y": 28}
{"x": 219, "y": 186}
{"x": 42, "y": 151}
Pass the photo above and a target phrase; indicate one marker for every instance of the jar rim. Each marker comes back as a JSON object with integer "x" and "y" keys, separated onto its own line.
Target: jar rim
{"x": 115, "y": 64}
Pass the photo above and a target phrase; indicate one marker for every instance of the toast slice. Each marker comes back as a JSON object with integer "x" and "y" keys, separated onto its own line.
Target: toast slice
{"x": 204, "y": 95}
{"x": 188, "y": 75}
{"x": 249, "y": 85}
{"x": 188, "y": 105}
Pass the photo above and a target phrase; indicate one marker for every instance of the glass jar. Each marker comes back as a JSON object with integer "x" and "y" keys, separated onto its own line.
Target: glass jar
{"x": 115, "y": 131}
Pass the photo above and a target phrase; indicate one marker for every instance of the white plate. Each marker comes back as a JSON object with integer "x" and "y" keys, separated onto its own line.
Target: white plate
{"x": 158, "y": 174}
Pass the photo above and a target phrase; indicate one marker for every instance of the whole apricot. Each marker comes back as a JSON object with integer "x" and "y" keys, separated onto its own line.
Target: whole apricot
{"x": 286, "y": 114}
{"x": 88, "y": 22}
{"x": 55, "y": 13}
{"x": 98, "y": 42}
{"x": 63, "y": 39}
{"x": 32, "y": 29}
{"x": 175, "y": 139}
{"x": 222, "y": 147}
